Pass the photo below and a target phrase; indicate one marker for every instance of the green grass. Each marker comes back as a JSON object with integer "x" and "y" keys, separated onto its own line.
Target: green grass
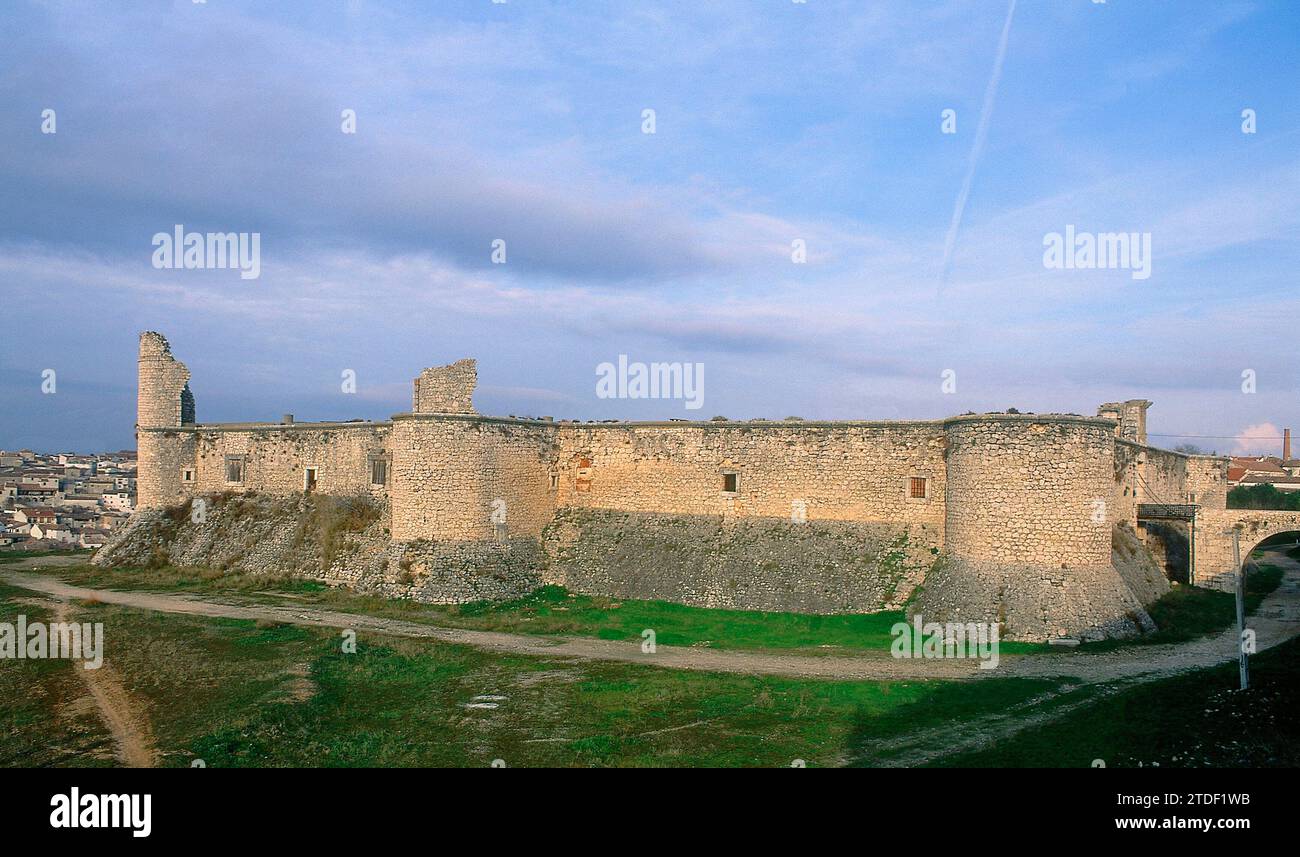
{"x": 1193, "y": 720}
{"x": 550, "y": 610}
{"x": 238, "y": 693}
{"x": 1187, "y": 612}
{"x": 11, "y": 557}
{"x": 242, "y": 693}
{"x": 42, "y": 724}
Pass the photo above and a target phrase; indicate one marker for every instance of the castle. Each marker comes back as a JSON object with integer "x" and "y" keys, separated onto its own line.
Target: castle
{"x": 1042, "y": 522}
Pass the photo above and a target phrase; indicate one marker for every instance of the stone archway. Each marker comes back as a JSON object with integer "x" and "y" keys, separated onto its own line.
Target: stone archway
{"x": 1213, "y": 540}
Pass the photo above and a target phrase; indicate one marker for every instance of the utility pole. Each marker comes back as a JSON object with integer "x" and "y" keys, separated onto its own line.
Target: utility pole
{"x": 1241, "y": 610}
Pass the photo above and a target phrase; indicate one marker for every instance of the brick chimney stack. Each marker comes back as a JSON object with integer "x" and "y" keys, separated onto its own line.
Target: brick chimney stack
{"x": 1286, "y": 444}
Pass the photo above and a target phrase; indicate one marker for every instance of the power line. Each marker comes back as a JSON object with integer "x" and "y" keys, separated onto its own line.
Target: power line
{"x": 1220, "y": 436}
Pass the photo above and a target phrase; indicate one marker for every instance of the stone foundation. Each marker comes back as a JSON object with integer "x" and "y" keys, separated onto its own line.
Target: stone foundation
{"x": 738, "y": 563}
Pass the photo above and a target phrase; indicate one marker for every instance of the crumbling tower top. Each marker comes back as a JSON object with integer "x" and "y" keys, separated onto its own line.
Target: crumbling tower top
{"x": 446, "y": 389}
{"x": 1131, "y": 416}
{"x": 164, "y": 399}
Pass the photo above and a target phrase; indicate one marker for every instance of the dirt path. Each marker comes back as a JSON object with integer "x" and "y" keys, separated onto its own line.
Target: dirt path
{"x": 1277, "y": 619}
{"x": 130, "y": 730}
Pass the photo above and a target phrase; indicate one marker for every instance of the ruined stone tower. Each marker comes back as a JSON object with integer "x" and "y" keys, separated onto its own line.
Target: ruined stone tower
{"x": 163, "y": 401}
{"x": 164, "y": 397}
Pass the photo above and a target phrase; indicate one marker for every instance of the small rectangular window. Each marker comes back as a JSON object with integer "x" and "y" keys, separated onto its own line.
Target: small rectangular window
{"x": 234, "y": 468}
{"x": 916, "y": 487}
{"x": 187, "y": 475}
{"x": 309, "y": 480}
{"x": 555, "y": 481}
{"x": 730, "y": 481}
{"x": 378, "y": 471}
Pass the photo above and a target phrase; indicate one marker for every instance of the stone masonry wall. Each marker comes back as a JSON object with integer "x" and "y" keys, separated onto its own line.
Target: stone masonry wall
{"x": 458, "y": 478}
{"x": 446, "y": 389}
{"x": 840, "y": 471}
{"x": 163, "y": 381}
{"x": 1013, "y": 516}
{"x": 275, "y": 458}
{"x": 815, "y": 508}
{"x": 1028, "y": 531}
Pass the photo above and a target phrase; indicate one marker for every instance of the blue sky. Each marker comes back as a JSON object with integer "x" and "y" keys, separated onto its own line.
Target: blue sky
{"x": 775, "y": 121}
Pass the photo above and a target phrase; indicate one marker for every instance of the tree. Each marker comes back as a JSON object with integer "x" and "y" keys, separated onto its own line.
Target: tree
{"x": 1263, "y": 496}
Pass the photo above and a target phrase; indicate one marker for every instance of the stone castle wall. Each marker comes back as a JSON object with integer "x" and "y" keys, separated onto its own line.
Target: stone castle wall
{"x": 275, "y": 457}
{"x": 460, "y": 478}
{"x": 1012, "y": 516}
{"x": 821, "y": 519}
{"x": 1029, "y": 530}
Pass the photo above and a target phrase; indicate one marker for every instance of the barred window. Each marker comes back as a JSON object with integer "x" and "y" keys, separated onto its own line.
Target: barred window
{"x": 916, "y": 487}
{"x": 378, "y": 471}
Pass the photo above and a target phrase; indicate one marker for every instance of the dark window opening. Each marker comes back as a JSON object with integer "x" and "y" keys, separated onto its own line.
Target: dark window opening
{"x": 730, "y": 481}
{"x": 234, "y": 469}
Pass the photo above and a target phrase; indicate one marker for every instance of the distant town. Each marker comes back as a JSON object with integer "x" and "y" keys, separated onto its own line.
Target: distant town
{"x": 1281, "y": 474}
{"x": 63, "y": 501}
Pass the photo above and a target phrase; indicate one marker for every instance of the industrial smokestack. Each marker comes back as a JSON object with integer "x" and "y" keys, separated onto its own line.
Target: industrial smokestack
{"x": 1286, "y": 444}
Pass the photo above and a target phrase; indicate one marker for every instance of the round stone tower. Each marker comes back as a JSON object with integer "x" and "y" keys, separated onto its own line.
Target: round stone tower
{"x": 163, "y": 401}
{"x": 1028, "y": 529}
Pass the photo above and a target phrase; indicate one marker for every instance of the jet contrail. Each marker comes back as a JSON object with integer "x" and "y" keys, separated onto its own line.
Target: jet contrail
{"x": 977, "y": 149}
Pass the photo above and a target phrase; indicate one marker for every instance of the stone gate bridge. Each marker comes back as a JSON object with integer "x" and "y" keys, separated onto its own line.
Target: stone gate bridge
{"x": 1200, "y": 538}
{"x": 1212, "y": 547}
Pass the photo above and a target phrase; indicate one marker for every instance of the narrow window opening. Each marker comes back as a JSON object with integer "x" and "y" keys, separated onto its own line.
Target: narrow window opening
{"x": 916, "y": 487}
{"x": 378, "y": 471}
{"x": 309, "y": 480}
{"x": 234, "y": 468}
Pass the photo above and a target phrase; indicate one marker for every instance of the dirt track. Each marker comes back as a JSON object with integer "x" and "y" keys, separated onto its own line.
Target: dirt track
{"x": 1277, "y": 619}
{"x": 123, "y": 718}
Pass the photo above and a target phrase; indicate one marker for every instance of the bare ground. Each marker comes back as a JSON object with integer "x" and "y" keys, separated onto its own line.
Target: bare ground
{"x": 124, "y": 719}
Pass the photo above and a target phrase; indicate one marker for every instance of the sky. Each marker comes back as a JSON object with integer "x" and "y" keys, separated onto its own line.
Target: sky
{"x": 922, "y": 292}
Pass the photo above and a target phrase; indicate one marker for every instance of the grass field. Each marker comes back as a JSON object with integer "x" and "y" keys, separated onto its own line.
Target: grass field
{"x": 1199, "y": 719}
{"x": 238, "y": 693}
{"x": 1184, "y": 613}
{"x": 234, "y": 693}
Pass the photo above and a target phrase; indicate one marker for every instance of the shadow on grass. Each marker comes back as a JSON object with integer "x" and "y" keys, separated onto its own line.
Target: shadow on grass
{"x": 1198, "y": 719}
